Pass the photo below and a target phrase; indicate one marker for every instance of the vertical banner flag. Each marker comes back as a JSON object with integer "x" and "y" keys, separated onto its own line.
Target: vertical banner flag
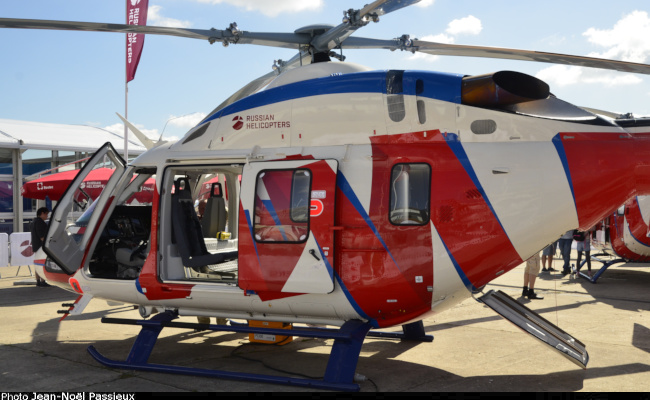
{"x": 136, "y": 14}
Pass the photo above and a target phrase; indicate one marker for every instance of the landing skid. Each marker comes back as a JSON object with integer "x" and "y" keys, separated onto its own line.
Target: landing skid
{"x": 339, "y": 374}
{"x": 606, "y": 264}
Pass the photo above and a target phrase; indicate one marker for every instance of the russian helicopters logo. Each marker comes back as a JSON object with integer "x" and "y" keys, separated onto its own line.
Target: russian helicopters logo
{"x": 258, "y": 122}
{"x": 239, "y": 124}
{"x": 135, "y": 2}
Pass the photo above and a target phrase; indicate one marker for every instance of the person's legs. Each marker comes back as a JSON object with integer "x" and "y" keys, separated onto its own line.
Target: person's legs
{"x": 524, "y": 292}
{"x": 531, "y": 287}
{"x": 565, "y": 250}
{"x": 578, "y": 261}
{"x": 551, "y": 258}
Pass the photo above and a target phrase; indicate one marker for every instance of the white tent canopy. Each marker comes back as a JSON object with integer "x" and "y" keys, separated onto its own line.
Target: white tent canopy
{"x": 44, "y": 136}
{"x": 19, "y": 137}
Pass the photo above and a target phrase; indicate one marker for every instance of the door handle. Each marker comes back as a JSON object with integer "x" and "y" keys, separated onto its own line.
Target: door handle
{"x": 313, "y": 253}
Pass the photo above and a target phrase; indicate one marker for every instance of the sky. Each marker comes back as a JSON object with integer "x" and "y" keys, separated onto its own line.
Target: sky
{"x": 79, "y": 77}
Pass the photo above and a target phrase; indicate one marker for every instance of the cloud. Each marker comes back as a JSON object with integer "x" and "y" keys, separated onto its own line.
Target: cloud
{"x": 155, "y": 18}
{"x": 187, "y": 121}
{"x": 628, "y": 40}
{"x": 564, "y": 75}
{"x": 554, "y": 40}
{"x": 119, "y": 130}
{"x": 469, "y": 25}
{"x": 425, "y": 3}
{"x": 560, "y": 75}
{"x": 272, "y": 8}
{"x": 183, "y": 122}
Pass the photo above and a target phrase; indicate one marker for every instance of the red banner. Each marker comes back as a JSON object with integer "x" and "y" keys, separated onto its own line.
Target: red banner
{"x": 136, "y": 14}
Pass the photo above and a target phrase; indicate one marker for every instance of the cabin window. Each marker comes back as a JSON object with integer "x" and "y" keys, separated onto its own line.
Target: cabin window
{"x": 422, "y": 113}
{"x": 282, "y": 200}
{"x": 410, "y": 194}
{"x": 395, "y": 96}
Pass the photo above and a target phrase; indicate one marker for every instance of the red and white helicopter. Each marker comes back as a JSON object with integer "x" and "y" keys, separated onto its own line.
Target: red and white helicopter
{"x": 368, "y": 199}
{"x": 624, "y": 235}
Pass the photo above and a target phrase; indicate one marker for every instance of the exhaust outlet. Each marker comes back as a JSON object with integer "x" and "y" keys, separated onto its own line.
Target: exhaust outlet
{"x": 502, "y": 88}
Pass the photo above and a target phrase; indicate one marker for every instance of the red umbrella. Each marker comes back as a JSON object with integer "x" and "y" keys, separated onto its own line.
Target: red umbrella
{"x": 145, "y": 194}
{"x": 54, "y": 185}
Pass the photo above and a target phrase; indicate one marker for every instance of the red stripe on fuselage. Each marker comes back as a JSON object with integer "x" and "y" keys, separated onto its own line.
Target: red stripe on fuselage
{"x": 402, "y": 271}
{"x": 607, "y": 169}
{"x": 462, "y": 217}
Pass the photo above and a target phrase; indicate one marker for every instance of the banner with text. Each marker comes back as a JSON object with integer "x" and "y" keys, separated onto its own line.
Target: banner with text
{"x": 136, "y": 14}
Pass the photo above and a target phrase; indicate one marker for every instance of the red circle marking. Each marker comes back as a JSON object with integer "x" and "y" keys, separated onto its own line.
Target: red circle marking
{"x": 316, "y": 208}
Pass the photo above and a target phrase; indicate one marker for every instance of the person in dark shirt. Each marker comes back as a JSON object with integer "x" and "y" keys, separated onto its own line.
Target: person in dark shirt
{"x": 39, "y": 230}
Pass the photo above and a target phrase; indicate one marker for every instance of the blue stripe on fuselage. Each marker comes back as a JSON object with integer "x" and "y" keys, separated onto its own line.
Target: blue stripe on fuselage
{"x": 457, "y": 147}
{"x": 435, "y": 85}
{"x": 557, "y": 142}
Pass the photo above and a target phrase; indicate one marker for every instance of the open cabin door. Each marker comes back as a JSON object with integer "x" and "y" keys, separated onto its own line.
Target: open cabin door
{"x": 287, "y": 214}
{"x": 65, "y": 243}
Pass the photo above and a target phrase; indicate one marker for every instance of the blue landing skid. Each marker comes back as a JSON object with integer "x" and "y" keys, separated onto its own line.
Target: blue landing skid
{"x": 606, "y": 264}
{"x": 339, "y": 374}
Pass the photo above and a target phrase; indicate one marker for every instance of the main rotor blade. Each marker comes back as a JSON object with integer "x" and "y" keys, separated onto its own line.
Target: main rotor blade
{"x": 284, "y": 40}
{"x": 527, "y": 55}
{"x": 103, "y": 27}
{"x": 383, "y": 7}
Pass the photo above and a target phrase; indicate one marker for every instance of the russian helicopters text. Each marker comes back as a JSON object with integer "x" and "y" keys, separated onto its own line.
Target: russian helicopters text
{"x": 367, "y": 198}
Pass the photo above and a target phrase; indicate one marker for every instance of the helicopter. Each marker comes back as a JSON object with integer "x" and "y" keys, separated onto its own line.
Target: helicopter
{"x": 623, "y": 235}
{"x": 345, "y": 197}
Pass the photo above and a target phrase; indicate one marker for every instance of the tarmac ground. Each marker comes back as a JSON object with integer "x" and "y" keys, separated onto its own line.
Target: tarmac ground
{"x": 474, "y": 350}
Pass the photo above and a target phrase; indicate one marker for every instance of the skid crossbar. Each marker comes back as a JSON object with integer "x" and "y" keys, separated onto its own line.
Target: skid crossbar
{"x": 606, "y": 264}
{"x": 413, "y": 331}
{"x": 339, "y": 374}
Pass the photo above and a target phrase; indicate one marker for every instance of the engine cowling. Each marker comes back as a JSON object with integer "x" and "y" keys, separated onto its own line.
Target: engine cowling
{"x": 502, "y": 88}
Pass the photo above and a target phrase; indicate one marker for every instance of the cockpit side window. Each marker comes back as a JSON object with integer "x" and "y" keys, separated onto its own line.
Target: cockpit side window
{"x": 282, "y": 202}
{"x": 395, "y": 95}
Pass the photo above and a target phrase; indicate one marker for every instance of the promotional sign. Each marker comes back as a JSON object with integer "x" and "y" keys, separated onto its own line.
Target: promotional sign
{"x": 136, "y": 14}
{"x": 21, "y": 249}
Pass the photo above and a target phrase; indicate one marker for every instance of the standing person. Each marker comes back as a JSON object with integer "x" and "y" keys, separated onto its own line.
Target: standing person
{"x": 565, "y": 249}
{"x": 547, "y": 254}
{"x": 39, "y": 230}
{"x": 584, "y": 244}
{"x": 530, "y": 275}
